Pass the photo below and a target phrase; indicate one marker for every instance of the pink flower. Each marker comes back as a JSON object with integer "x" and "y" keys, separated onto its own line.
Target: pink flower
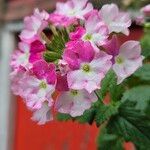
{"x": 42, "y": 115}
{"x": 128, "y": 60}
{"x": 62, "y": 84}
{"x": 34, "y": 25}
{"x": 17, "y": 84}
{"x": 146, "y": 10}
{"x": 36, "y": 86}
{"x": 139, "y": 20}
{"x": 116, "y": 21}
{"x": 74, "y": 102}
{"x": 21, "y": 57}
{"x": 36, "y": 51}
{"x": 112, "y": 47}
{"x": 95, "y": 31}
{"x": 67, "y": 13}
{"x": 87, "y": 68}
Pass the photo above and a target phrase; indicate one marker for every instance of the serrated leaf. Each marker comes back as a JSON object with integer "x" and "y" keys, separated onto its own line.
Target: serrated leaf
{"x": 104, "y": 112}
{"x": 105, "y": 84}
{"x": 143, "y": 73}
{"x": 106, "y": 141}
{"x": 139, "y": 94}
{"x": 116, "y": 91}
{"x": 131, "y": 124}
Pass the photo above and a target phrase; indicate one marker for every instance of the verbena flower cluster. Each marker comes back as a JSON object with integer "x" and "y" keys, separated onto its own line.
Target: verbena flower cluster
{"x": 76, "y": 71}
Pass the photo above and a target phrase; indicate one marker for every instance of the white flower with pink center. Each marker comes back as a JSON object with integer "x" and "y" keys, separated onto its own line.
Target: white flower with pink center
{"x": 116, "y": 21}
{"x": 67, "y": 13}
{"x": 75, "y": 102}
{"x": 87, "y": 67}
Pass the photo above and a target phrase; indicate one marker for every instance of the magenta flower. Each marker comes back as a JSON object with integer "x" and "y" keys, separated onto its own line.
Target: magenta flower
{"x": 67, "y": 13}
{"x": 116, "y": 21}
{"x": 87, "y": 68}
{"x": 34, "y": 25}
{"x": 74, "y": 102}
{"x": 95, "y": 31}
{"x": 36, "y": 51}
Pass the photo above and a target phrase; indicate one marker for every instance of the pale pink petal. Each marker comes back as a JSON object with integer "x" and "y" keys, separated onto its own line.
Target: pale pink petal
{"x": 42, "y": 115}
{"x": 75, "y": 105}
{"x": 130, "y": 49}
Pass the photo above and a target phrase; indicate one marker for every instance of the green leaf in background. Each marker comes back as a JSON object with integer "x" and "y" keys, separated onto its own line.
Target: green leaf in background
{"x": 104, "y": 112}
{"x": 106, "y": 141}
{"x": 139, "y": 94}
{"x": 131, "y": 124}
{"x": 143, "y": 73}
{"x": 145, "y": 43}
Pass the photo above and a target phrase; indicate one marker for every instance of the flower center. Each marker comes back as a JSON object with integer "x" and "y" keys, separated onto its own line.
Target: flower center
{"x": 43, "y": 85}
{"x": 88, "y": 37}
{"x": 74, "y": 92}
{"x": 119, "y": 60}
{"x": 86, "y": 68}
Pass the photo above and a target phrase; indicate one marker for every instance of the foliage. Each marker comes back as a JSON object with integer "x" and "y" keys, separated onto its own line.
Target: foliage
{"x": 131, "y": 124}
{"x": 105, "y": 141}
{"x": 143, "y": 73}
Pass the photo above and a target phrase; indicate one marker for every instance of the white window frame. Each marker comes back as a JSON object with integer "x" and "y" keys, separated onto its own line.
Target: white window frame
{"x": 7, "y": 102}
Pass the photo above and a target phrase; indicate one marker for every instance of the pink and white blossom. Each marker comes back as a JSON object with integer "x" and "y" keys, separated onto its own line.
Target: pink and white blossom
{"x": 95, "y": 31}
{"x": 67, "y": 13}
{"x": 34, "y": 25}
{"x": 21, "y": 57}
{"x": 146, "y": 10}
{"x": 87, "y": 68}
{"x": 116, "y": 21}
{"x": 75, "y": 102}
{"x": 128, "y": 60}
{"x": 42, "y": 115}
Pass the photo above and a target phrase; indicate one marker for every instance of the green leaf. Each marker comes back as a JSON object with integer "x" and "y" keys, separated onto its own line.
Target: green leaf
{"x": 105, "y": 84}
{"x": 116, "y": 91}
{"x": 88, "y": 116}
{"x": 143, "y": 73}
{"x": 139, "y": 94}
{"x": 104, "y": 112}
{"x": 63, "y": 117}
{"x": 106, "y": 141}
{"x": 145, "y": 43}
{"x": 131, "y": 124}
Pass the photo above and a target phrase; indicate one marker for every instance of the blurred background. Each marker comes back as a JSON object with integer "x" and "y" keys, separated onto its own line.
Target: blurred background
{"x": 17, "y": 131}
